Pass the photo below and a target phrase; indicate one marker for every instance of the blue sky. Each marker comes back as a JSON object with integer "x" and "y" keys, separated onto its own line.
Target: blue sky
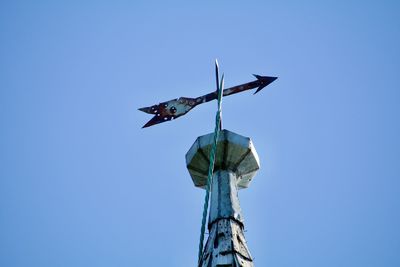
{"x": 81, "y": 184}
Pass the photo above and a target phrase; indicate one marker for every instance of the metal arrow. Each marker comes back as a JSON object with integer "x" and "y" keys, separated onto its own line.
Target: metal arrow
{"x": 178, "y": 107}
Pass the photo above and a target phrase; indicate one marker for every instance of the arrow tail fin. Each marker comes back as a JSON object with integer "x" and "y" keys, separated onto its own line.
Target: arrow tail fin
{"x": 150, "y": 110}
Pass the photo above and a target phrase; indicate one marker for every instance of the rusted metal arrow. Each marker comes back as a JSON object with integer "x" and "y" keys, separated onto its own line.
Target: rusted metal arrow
{"x": 175, "y": 108}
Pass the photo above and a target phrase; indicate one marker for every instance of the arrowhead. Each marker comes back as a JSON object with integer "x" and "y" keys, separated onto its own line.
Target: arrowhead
{"x": 263, "y": 81}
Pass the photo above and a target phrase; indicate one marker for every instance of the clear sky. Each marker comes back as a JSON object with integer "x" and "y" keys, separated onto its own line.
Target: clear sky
{"x": 81, "y": 184}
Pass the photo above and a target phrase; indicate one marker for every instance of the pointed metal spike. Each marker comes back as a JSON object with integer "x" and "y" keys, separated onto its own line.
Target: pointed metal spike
{"x": 217, "y": 73}
{"x": 221, "y": 91}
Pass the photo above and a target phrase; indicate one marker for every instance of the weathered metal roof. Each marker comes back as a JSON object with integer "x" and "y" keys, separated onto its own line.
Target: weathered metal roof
{"x": 235, "y": 153}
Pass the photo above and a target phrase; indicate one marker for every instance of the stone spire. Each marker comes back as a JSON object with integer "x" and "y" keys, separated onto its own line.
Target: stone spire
{"x": 236, "y": 163}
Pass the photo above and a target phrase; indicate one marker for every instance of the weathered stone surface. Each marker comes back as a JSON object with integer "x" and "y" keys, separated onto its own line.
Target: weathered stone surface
{"x": 226, "y": 244}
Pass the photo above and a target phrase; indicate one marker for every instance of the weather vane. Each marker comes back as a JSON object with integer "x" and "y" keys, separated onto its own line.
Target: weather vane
{"x": 221, "y": 163}
{"x": 175, "y": 108}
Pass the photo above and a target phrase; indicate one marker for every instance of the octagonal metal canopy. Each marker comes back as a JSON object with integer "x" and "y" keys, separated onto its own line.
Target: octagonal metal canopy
{"x": 235, "y": 153}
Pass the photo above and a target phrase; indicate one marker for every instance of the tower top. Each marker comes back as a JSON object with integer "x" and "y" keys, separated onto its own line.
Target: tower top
{"x": 235, "y": 153}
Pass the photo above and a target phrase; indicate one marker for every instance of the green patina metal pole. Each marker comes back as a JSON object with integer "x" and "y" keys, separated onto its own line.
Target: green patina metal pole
{"x": 218, "y": 126}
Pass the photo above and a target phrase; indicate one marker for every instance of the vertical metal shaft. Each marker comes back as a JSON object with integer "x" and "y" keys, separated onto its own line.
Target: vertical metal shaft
{"x": 213, "y": 151}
